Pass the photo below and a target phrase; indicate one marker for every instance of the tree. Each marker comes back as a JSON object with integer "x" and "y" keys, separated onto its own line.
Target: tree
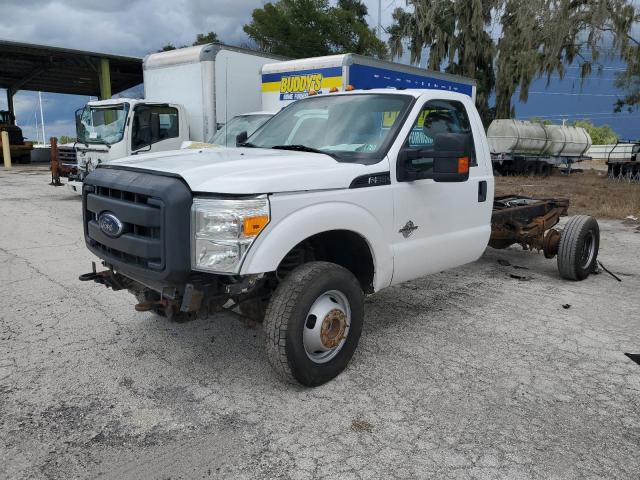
{"x": 66, "y": 139}
{"x": 456, "y": 34}
{"x": 629, "y": 80}
{"x": 541, "y": 121}
{"x": 311, "y": 28}
{"x": 204, "y": 38}
{"x": 201, "y": 39}
{"x": 538, "y": 37}
{"x": 167, "y": 48}
{"x": 600, "y": 135}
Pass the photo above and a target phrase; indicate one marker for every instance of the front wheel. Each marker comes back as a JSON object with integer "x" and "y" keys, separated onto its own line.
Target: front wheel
{"x": 313, "y": 323}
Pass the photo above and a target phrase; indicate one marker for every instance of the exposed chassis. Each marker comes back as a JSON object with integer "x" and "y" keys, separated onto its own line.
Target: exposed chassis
{"x": 528, "y": 222}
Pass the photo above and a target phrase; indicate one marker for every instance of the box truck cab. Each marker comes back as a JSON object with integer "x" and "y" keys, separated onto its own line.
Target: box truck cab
{"x": 189, "y": 93}
{"x": 111, "y": 129}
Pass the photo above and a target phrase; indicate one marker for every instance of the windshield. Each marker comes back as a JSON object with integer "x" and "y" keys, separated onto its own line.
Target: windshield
{"x": 356, "y": 127}
{"x": 227, "y": 135}
{"x": 101, "y": 124}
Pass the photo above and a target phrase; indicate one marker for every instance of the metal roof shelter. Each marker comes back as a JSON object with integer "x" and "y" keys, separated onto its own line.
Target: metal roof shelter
{"x": 25, "y": 66}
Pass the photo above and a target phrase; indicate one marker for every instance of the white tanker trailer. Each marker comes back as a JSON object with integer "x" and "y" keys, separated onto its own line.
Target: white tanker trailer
{"x": 519, "y": 147}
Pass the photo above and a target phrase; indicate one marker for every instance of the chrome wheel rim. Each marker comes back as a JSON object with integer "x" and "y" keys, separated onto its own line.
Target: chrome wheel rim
{"x": 588, "y": 250}
{"x": 326, "y": 326}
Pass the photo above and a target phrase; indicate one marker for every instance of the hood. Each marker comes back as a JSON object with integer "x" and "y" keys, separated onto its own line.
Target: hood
{"x": 250, "y": 170}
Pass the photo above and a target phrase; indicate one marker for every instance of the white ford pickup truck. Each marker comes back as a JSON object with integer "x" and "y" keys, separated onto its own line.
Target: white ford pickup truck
{"x": 337, "y": 196}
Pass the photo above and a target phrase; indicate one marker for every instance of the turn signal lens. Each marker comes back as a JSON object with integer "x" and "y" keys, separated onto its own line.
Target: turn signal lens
{"x": 312, "y": 92}
{"x": 333, "y": 90}
{"x": 252, "y": 226}
{"x": 463, "y": 165}
{"x": 349, "y": 88}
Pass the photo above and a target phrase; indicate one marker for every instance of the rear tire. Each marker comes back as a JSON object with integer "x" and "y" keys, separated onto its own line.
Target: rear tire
{"x": 313, "y": 323}
{"x": 578, "y": 248}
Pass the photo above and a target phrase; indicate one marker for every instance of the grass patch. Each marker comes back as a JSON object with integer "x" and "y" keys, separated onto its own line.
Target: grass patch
{"x": 589, "y": 192}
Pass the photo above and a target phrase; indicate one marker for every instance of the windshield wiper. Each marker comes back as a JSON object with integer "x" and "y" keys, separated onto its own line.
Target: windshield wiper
{"x": 248, "y": 145}
{"x": 302, "y": 148}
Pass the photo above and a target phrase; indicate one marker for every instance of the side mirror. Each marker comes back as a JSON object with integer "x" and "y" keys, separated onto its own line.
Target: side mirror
{"x": 241, "y": 138}
{"x": 447, "y": 161}
{"x": 143, "y": 149}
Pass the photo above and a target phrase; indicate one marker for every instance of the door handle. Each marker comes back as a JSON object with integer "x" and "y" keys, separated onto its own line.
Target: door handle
{"x": 482, "y": 191}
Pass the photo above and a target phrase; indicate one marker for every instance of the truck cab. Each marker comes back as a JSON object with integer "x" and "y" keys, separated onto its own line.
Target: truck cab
{"x": 117, "y": 128}
{"x": 337, "y": 196}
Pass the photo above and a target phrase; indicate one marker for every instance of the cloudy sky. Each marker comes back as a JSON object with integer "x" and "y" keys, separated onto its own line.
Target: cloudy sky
{"x": 137, "y": 27}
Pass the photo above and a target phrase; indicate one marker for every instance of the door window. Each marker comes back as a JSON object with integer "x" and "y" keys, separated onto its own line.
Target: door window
{"x": 152, "y": 124}
{"x": 436, "y": 117}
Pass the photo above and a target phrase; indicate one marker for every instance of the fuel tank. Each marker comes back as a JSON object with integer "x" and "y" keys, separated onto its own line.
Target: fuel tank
{"x": 517, "y": 137}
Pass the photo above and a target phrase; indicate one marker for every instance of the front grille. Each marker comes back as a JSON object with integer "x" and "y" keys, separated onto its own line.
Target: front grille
{"x": 67, "y": 155}
{"x": 155, "y": 213}
{"x": 140, "y": 243}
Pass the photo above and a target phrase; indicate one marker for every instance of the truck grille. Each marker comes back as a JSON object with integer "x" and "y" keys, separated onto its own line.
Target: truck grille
{"x": 140, "y": 243}
{"x": 154, "y": 211}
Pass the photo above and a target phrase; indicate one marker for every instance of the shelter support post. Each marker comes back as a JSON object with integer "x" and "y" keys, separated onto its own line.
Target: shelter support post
{"x": 105, "y": 79}
{"x": 6, "y": 151}
{"x": 10, "y": 94}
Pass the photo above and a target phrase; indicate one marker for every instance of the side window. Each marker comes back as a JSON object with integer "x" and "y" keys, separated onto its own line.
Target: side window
{"x": 152, "y": 124}
{"x": 436, "y": 117}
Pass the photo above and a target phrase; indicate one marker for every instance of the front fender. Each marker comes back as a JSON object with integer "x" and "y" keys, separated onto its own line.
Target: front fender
{"x": 278, "y": 239}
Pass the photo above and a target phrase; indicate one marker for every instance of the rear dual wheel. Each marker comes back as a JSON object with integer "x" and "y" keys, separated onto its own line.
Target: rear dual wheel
{"x": 578, "y": 248}
{"x": 313, "y": 323}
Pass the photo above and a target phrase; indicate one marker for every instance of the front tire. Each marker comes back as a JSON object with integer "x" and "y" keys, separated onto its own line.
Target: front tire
{"x": 313, "y": 323}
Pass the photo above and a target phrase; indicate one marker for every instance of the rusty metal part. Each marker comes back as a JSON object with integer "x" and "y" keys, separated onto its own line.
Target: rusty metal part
{"x": 550, "y": 243}
{"x": 333, "y": 328}
{"x": 192, "y": 299}
{"x": 106, "y": 277}
{"x": 55, "y": 165}
{"x": 145, "y": 306}
{"x": 524, "y": 221}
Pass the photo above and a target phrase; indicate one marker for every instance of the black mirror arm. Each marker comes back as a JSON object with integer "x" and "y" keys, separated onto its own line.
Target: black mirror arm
{"x": 147, "y": 147}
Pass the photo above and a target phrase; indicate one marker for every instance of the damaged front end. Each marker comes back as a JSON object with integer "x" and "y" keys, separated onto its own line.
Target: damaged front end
{"x": 201, "y": 295}
{"x": 139, "y": 225}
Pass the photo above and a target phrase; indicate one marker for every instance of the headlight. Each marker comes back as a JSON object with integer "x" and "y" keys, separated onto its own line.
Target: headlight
{"x": 223, "y": 231}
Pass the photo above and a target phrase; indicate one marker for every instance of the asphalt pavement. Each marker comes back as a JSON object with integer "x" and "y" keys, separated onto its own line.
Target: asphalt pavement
{"x": 498, "y": 369}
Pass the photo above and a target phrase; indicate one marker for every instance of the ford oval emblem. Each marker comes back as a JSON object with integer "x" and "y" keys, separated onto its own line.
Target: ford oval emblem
{"x": 110, "y": 224}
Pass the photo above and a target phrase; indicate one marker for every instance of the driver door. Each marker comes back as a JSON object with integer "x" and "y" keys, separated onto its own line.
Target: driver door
{"x": 155, "y": 128}
{"x": 439, "y": 225}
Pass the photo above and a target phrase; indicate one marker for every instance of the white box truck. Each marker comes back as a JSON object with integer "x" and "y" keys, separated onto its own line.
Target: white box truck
{"x": 286, "y": 81}
{"x": 189, "y": 92}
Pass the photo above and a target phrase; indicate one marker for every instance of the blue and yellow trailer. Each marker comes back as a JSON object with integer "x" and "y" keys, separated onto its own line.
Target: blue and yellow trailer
{"x": 284, "y": 82}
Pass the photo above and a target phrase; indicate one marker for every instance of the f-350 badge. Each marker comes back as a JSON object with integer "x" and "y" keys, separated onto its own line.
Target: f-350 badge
{"x": 408, "y": 229}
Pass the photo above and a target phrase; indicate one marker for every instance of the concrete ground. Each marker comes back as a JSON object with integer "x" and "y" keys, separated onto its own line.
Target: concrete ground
{"x": 470, "y": 373}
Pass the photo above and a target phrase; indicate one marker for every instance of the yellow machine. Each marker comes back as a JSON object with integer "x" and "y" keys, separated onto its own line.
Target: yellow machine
{"x": 20, "y": 150}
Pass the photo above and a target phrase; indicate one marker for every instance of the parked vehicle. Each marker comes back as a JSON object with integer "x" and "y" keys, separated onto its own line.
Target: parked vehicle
{"x": 286, "y": 81}
{"x": 519, "y": 147}
{"x": 247, "y": 122}
{"x": 623, "y": 160}
{"x": 19, "y": 149}
{"x": 337, "y": 196}
{"x": 189, "y": 93}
